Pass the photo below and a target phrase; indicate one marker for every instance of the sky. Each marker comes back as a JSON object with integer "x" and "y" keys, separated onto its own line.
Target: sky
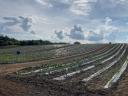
{"x": 86, "y": 21}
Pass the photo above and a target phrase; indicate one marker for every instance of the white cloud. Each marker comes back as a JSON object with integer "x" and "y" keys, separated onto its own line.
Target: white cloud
{"x": 16, "y": 25}
{"x": 42, "y": 2}
{"x": 101, "y": 31}
{"x": 40, "y": 19}
{"x": 60, "y": 34}
{"x": 45, "y": 3}
{"x": 93, "y": 36}
{"x": 43, "y": 16}
{"x": 108, "y": 20}
{"x": 108, "y": 28}
{"x": 76, "y": 33}
{"x": 82, "y": 7}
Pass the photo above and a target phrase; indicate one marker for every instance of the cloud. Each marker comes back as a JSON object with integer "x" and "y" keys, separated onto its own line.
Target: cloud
{"x": 91, "y": 8}
{"x": 111, "y": 8}
{"x": 76, "y": 33}
{"x": 41, "y": 2}
{"x": 108, "y": 20}
{"x": 92, "y": 36}
{"x": 118, "y": 37}
{"x": 82, "y": 7}
{"x": 60, "y": 35}
{"x": 107, "y": 28}
{"x": 33, "y": 32}
{"x": 39, "y": 17}
{"x": 26, "y": 23}
{"x": 100, "y": 32}
{"x": 16, "y": 25}
{"x": 10, "y": 21}
{"x": 57, "y": 8}
{"x": 44, "y": 3}
{"x": 106, "y": 31}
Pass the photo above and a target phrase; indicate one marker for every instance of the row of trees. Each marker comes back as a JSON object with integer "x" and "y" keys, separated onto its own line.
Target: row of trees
{"x": 5, "y": 41}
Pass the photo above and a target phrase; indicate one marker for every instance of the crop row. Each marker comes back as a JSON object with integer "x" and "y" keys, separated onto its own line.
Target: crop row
{"x": 54, "y": 67}
{"x": 63, "y": 67}
{"x": 95, "y": 70}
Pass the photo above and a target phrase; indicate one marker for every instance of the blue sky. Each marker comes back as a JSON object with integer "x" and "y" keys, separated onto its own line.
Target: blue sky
{"x": 87, "y": 21}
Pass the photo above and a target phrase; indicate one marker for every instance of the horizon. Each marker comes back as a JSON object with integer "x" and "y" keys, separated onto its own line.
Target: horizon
{"x": 86, "y": 21}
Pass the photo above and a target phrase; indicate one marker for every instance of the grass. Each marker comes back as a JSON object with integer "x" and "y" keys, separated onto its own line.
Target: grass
{"x": 36, "y": 53}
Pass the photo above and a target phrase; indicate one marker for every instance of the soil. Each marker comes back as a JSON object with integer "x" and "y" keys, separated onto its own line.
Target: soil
{"x": 37, "y": 86}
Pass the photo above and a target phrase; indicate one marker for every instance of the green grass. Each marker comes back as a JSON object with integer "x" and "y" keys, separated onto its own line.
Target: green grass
{"x": 36, "y": 53}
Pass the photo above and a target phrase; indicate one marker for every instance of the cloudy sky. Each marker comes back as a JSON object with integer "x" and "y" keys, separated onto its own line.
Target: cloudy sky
{"x": 87, "y": 21}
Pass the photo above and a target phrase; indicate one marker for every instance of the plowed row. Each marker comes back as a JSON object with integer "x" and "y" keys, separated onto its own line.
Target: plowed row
{"x": 94, "y": 70}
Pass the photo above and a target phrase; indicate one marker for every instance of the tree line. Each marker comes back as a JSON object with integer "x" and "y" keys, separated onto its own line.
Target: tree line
{"x": 5, "y": 41}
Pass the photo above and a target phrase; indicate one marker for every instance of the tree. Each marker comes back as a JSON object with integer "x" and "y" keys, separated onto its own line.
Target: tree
{"x": 5, "y": 41}
{"x": 77, "y": 42}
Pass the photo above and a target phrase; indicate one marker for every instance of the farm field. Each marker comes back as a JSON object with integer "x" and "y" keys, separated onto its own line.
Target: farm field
{"x": 36, "y": 53}
{"x": 64, "y": 70}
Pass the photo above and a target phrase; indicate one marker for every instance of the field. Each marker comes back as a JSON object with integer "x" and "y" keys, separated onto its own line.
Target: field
{"x": 36, "y": 53}
{"x": 64, "y": 70}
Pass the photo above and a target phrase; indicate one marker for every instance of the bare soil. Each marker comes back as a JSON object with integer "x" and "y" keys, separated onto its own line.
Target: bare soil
{"x": 10, "y": 85}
